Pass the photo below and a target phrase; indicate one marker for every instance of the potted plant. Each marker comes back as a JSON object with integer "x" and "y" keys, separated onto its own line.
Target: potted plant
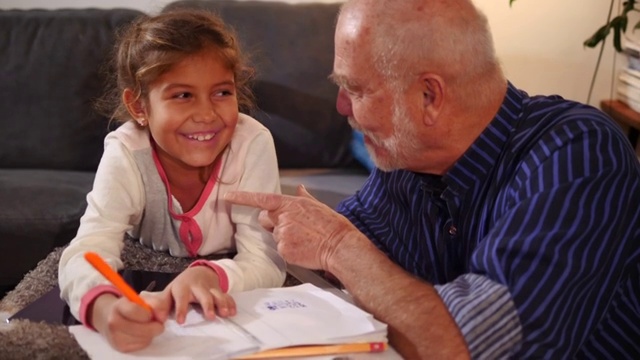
{"x": 617, "y": 24}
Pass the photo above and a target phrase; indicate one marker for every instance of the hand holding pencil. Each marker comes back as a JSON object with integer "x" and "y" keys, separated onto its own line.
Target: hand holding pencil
{"x": 129, "y": 323}
{"x": 96, "y": 261}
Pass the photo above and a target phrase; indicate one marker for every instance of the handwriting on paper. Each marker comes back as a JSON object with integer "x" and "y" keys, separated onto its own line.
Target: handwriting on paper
{"x": 281, "y": 304}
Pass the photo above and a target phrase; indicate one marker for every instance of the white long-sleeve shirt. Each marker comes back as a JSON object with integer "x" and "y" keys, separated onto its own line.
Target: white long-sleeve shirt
{"x": 130, "y": 196}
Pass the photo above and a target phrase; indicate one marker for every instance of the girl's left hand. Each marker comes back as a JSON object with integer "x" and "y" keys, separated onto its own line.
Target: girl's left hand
{"x": 199, "y": 284}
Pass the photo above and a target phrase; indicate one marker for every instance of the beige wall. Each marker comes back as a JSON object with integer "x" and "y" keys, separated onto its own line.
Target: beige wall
{"x": 538, "y": 41}
{"x": 540, "y": 45}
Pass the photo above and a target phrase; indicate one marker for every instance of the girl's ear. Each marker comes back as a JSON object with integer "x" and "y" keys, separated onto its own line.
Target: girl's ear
{"x": 433, "y": 96}
{"x": 134, "y": 105}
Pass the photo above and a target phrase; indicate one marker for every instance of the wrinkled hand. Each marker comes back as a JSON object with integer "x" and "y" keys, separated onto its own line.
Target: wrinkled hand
{"x": 307, "y": 231}
{"x": 128, "y": 326}
{"x": 199, "y": 284}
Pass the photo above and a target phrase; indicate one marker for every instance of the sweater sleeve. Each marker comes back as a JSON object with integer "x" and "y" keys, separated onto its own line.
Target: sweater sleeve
{"x": 257, "y": 263}
{"x": 114, "y": 204}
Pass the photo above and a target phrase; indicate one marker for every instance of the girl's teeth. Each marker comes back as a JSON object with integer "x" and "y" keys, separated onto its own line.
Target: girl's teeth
{"x": 201, "y": 137}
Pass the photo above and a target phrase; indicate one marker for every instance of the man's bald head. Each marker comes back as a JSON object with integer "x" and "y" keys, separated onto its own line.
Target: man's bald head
{"x": 405, "y": 37}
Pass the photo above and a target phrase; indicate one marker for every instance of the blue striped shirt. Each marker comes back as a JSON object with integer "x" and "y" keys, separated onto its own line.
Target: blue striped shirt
{"x": 531, "y": 238}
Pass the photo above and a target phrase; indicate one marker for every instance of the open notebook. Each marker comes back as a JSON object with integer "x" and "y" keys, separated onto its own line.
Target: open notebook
{"x": 266, "y": 319}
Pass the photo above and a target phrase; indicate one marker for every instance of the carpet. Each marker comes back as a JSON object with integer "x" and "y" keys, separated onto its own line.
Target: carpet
{"x": 23, "y": 339}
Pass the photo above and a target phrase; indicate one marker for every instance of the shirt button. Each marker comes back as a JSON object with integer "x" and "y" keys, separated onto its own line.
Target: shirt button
{"x": 453, "y": 230}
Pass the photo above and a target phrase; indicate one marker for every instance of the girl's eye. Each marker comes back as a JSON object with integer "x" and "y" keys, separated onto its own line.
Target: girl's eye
{"x": 224, "y": 93}
{"x": 184, "y": 95}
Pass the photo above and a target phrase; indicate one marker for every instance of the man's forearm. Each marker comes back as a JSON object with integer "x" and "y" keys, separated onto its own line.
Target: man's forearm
{"x": 420, "y": 325}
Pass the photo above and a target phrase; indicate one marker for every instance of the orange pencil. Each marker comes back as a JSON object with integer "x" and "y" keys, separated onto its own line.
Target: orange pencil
{"x": 115, "y": 279}
{"x": 314, "y": 350}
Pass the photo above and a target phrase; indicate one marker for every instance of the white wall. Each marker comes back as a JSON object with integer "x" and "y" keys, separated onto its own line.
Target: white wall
{"x": 538, "y": 41}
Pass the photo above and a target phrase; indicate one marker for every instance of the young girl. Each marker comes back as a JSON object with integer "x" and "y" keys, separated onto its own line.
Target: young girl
{"x": 180, "y": 81}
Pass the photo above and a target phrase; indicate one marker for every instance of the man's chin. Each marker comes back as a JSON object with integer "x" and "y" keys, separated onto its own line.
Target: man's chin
{"x": 383, "y": 164}
{"x": 386, "y": 167}
{"x": 383, "y": 160}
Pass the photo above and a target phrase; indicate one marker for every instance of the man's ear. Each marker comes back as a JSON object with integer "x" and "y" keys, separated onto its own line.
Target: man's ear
{"x": 432, "y": 87}
{"x": 134, "y": 105}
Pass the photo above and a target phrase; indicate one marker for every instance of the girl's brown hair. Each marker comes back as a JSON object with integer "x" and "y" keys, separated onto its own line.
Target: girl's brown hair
{"x": 150, "y": 46}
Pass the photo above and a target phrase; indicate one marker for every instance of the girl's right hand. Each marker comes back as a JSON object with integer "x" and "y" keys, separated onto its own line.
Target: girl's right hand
{"x": 199, "y": 285}
{"x": 126, "y": 325}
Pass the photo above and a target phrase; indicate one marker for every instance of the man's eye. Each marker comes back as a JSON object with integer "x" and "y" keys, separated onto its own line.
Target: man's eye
{"x": 352, "y": 93}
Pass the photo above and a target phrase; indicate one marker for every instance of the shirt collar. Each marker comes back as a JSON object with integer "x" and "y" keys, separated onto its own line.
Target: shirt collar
{"x": 479, "y": 160}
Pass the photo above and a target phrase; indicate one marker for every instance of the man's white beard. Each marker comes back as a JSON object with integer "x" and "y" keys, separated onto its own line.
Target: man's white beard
{"x": 399, "y": 147}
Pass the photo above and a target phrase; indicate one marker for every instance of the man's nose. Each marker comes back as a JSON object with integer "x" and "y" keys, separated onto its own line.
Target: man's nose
{"x": 343, "y": 103}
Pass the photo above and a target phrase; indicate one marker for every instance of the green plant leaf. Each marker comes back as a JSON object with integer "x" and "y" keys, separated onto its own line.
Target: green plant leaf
{"x": 616, "y": 39}
{"x": 619, "y": 24}
{"x": 598, "y": 36}
{"x": 628, "y": 6}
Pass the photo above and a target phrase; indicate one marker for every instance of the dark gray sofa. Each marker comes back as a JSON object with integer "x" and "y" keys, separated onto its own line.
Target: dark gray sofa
{"x": 51, "y": 138}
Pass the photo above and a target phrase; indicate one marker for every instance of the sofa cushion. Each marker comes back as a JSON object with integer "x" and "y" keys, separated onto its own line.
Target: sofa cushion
{"x": 330, "y": 186}
{"x": 40, "y": 210}
{"x": 50, "y": 70}
{"x": 291, "y": 46}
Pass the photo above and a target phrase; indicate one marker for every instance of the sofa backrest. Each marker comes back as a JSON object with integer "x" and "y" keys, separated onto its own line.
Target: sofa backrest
{"x": 291, "y": 46}
{"x": 50, "y": 62}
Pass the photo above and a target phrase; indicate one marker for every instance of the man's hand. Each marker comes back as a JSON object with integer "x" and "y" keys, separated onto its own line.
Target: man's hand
{"x": 307, "y": 232}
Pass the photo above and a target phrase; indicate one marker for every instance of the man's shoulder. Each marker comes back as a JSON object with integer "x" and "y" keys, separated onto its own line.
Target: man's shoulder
{"x": 549, "y": 120}
{"x": 569, "y": 134}
{"x": 552, "y": 109}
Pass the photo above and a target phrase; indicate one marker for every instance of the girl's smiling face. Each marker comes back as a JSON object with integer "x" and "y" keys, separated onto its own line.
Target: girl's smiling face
{"x": 192, "y": 111}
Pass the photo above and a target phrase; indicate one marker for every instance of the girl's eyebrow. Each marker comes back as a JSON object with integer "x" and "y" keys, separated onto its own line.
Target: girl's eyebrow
{"x": 226, "y": 82}
{"x": 180, "y": 85}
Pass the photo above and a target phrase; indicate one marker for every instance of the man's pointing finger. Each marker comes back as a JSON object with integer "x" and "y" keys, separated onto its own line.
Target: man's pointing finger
{"x": 259, "y": 200}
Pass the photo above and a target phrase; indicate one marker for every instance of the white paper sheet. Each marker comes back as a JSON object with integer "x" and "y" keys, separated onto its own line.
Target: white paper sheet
{"x": 266, "y": 319}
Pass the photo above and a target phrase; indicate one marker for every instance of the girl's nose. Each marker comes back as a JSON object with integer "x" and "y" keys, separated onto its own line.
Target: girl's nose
{"x": 205, "y": 112}
{"x": 343, "y": 103}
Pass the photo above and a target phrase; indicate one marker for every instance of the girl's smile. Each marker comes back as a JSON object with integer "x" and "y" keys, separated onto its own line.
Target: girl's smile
{"x": 200, "y": 137}
{"x": 192, "y": 111}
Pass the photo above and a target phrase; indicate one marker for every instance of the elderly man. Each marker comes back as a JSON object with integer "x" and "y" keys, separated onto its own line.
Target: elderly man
{"x": 497, "y": 224}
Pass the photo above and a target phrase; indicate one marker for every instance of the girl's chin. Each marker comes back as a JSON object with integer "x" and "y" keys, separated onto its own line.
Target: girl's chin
{"x": 200, "y": 162}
